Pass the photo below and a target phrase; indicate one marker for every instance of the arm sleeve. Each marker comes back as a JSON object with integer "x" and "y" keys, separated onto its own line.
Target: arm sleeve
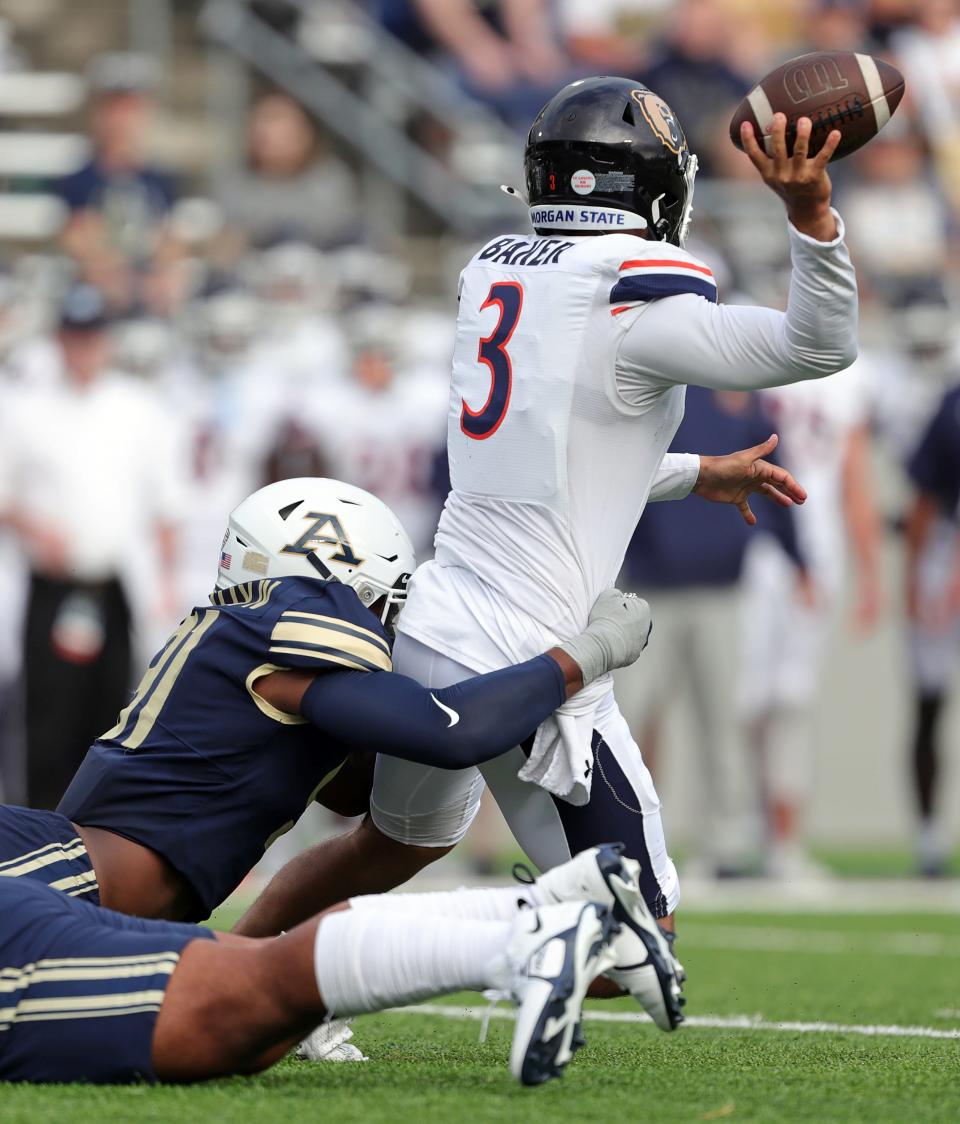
{"x": 687, "y": 339}
{"x": 451, "y": 728}
{"x": 675, "y": 477}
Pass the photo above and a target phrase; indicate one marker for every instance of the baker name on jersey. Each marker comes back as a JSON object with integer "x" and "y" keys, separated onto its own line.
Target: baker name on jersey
{"x": 515, "y": 250}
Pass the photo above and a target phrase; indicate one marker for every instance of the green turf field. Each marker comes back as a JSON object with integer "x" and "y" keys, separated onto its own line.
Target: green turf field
{"x": 899, "y": 971}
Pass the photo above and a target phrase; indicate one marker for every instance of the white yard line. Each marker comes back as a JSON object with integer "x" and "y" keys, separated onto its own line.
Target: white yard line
{"x": 697, "y": 934}
{"x": 713, "y": 1022}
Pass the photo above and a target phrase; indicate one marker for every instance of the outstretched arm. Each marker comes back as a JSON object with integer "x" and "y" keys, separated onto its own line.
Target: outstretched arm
{"x": 686, "y": 339}
{"x": 732, "y": 478}
{"x": 735, "y": 477}
{"x": 470, "y": 722}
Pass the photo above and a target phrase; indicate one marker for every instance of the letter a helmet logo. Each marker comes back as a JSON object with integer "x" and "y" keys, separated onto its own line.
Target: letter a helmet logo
{"x": 325, "y": 530}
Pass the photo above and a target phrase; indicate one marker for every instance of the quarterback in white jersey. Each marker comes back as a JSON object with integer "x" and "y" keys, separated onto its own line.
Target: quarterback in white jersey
{"x": 574, "y": 346}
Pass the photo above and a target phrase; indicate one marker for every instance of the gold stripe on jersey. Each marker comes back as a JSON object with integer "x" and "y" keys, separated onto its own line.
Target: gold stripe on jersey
{"x": 323, "y": 642}
{"x": 87, "y": 961}
{"x": 346, "y": 626}
{"x": 83, "y": 1006}
{"x": 61, "y": 1016}
{"x": 27, "y": 856}
{"x": 93, "y": 887}
{"x": 320, "y": 657}
{"x": 73, "y": 881}
{"x": 268, "y": 708}
{"x": 55, "y": 853}
{"x": 248, "y": 595}
{"x": 149, "y": 678}
{"x": 16, "y": 979}
{"x": 154, "y": 704}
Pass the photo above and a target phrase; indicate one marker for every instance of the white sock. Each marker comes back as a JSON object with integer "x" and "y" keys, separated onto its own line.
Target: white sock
{"x": 367, "y": 961}
{"x": 498, "y": 903}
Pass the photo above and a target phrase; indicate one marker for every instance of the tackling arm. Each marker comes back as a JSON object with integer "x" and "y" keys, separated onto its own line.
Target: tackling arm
{"x": 470, "y": 722}
{"x": 451, "y": 728}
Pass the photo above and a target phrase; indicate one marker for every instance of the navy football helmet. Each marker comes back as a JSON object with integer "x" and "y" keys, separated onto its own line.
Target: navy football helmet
{"x": 607, "y": 154}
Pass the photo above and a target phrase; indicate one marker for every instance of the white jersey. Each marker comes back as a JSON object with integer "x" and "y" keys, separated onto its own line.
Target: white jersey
{"x": 569, "y": 370}
{"x": 815, "y": 422}
{"x": 387, "y": 441}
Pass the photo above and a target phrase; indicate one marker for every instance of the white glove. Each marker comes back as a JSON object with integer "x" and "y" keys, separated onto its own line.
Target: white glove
{"x": 617, "y": 631}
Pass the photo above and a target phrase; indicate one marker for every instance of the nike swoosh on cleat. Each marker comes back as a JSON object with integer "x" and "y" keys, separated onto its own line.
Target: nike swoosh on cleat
{"x": 454, "y": 717}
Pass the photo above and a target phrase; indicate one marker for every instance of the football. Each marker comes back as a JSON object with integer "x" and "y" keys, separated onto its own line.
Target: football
{"x": 844, "y": 90}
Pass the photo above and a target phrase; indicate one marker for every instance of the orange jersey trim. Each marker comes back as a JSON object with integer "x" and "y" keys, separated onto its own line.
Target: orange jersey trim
{"x": 662, "y": 263}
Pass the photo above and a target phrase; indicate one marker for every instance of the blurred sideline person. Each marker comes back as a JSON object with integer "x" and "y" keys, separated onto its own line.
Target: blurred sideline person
{"x": 88, "y": 488}
{"x": 97, "y": 996}
{"x": 382, "y": 426}
{"x": 786, "y": 623}
{"x": 291, "y": 186}
{"x": 933, "y": 607}
{"x": 505, "y": 53}
{"x": 688, "y": 561}
{"x": 118, "y": 230}
{"x": 570, "y": 367}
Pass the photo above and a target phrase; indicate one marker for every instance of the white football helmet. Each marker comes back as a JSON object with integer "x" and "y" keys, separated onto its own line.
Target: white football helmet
{"x": 323, "y": 529}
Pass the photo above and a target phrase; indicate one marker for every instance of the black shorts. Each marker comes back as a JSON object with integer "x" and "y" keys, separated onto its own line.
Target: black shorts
{"x": 80, "y": 986}
{"x": 45, "y": 847}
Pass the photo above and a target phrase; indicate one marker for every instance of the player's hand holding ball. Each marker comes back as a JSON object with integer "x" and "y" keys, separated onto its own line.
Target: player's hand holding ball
{"x": 810, "y": 110}
{"x": 800, "y": 180}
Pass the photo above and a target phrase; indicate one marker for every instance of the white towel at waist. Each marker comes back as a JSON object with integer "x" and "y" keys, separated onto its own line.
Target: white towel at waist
{"x": 561, "y": 760}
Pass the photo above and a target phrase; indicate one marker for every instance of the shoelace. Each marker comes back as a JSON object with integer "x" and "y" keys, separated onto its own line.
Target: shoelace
{"x": 493, "y": 996}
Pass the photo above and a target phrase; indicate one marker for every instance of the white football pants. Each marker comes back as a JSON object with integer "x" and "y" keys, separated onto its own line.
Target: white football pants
{"x": 428, "y": 807}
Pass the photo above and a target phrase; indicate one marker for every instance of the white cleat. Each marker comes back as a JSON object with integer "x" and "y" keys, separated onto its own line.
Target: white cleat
{"x": 645, "y": 965}
{"x": 330, "y": 1042}
{"x": 554, "y": 954}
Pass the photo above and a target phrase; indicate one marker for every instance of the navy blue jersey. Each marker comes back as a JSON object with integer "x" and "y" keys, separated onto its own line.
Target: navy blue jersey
{"x": 200, "y": 768}
{"x": 935, "y": 466}
{"x": 82, "y": 986}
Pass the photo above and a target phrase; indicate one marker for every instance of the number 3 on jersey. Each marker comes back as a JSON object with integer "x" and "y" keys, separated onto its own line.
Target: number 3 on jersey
{"x": 483, "y": 423}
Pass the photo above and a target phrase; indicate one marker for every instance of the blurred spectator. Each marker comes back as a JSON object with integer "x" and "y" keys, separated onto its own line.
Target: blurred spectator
{"x": 292, "y": 186}
{"x": 692, "y": 72}
{"x": 687, "y": 560}
{"x": 12, "y": 58}
{"x": 609, "y": 36}
{"x": 928, "y": 52}
{"x": 836, "y": 25}
{"x": 227, "y": 407}
{"x": 505, "y": 52}
{"x": 298, "y": 341}
{"x": 934, "y": 611}
{"x": 893, "y": 191}
{"x": 823, "y": 427}
{"x": 87, "y": 487}
{"x": 119, "y": 203}
{"x": 912, "y": 365}
{"x": 382, "y": 427}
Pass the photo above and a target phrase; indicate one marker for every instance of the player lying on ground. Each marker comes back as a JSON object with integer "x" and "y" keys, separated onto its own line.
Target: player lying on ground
{"x": 94, "y": 995}
{"x": 556, "y": 440}
{"x": 256, "y": 701}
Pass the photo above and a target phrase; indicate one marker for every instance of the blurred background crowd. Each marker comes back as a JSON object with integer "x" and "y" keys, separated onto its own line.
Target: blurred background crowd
{"x": 230, "y": 235}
